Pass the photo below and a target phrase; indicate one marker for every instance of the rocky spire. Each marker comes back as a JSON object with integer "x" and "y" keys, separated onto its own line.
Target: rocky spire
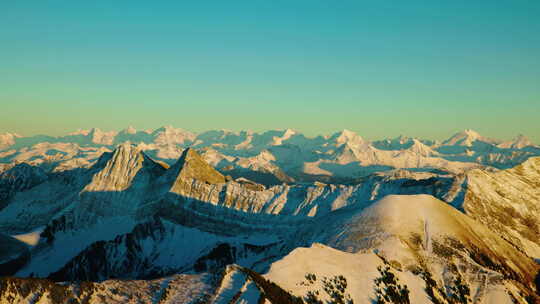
{"x": 192, "y": 166}
{"x": 121, "y": 168}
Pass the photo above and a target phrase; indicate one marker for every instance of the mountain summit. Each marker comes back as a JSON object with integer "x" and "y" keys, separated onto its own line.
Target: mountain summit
{"x": 347, "y": 136}
{"x": 337, "y": 158}
{"x": 119, "y": 172}
{"x": 464, "y": 138}
{"x": 192, "y": 166}
{"x": 467, "y": 138}
{"x": 519, "y": 142}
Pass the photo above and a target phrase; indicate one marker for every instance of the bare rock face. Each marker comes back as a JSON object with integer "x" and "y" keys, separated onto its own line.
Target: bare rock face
{"x": 120, "y": 171}
{"x": 191, "y": 166}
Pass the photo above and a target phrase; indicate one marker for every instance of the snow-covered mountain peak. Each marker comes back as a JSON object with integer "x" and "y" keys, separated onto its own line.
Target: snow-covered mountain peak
{"x": 126, "y": 148}
{"x": 266, "y": 156}
{"x": 95, "y": 132}
{"x": 463, "y": 138}
{"x": 347, "y": 136}
{"x": 168, "y": 129}
{"x": 398, "y": 143}
{"x": 130, "y": 130}
{"x": 421, "y": 149}
{"x": 520, "y": 142}
{"x": 393, "y": 213}
{"x": 394, "y": 207}
{"x": 192, "y": 166}
{"x": 7, "y": 139}
{"x": 402, "y": 139}
{"x": 472, "y": 133}
{"x": 168, "y": 135}
{"x": 344, "y": 134}
{"x": 467, "y": 138}
{"x": 83, "y": 132}
{"x": 101, "y": 137}
{"x": 286, "y": 134}
{"x": 346, "y": 153}
{"x": 122, "y": 168}
{"x": 8, "y": 134}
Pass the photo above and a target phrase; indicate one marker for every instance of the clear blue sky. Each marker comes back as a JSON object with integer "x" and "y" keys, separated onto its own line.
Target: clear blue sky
{"x": 380, "y": 68}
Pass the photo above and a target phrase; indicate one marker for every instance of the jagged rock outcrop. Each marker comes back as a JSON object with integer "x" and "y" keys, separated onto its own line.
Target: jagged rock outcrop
{"x": 176, "y": 289}
{"x": 19, "y": 178}
{"x": 158, "y": 248}
{"x": 122, "y": 168}
{"x": 192, "y": 166}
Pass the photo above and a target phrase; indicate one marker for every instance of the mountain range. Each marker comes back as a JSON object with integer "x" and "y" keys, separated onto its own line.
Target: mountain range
{"x": 168, "y": 216}
{"x": 278, "y": 156}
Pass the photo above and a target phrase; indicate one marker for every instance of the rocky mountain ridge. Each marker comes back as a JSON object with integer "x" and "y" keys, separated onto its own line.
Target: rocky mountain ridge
{"x": 129, "y": 216}
{"x": 273, "y": 157}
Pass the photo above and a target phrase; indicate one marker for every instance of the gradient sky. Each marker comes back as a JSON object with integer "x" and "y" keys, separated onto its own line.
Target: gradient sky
{"x": 380, "y": 68}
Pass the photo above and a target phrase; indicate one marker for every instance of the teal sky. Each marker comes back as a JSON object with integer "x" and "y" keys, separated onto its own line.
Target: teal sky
{"x": 380, "y": 68}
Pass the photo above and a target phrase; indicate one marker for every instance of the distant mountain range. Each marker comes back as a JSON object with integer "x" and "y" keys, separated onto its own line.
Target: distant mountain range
{"x": 273, "y": 157}
{"x": 167, "y": 216}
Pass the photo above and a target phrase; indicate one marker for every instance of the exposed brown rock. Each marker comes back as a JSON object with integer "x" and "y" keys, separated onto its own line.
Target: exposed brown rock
{"x": 192, "y": 166}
